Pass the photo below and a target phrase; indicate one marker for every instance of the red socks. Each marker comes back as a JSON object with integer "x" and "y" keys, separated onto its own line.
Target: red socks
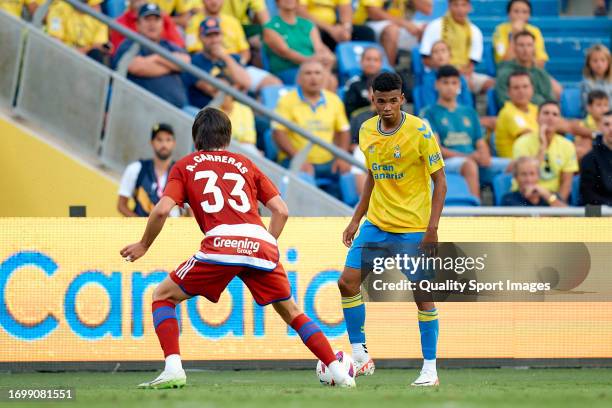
{"x": 313, "y": 338}
{"x": 166, "y": 326}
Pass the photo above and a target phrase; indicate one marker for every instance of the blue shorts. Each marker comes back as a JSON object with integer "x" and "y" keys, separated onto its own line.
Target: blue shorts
{"x": 370, "y": 233}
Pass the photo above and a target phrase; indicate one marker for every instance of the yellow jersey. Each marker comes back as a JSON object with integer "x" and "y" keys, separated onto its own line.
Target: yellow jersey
{"x": 396, "y": 8}
{"x": 241, "y": 9}
{"x": 501, "y": 41}
{"x": 322, "y": 119}
{"x": 74, "y": 28}
{"x": 401, "y": 163}
{"x": 511, "y": 123}
{"x": 243, "y": 123}
{"x": 560, "y": 157}
{"x": 170, "y": 6}
{"x": 13, "y": 7}
{"x": 324, "y": 10}
{"x": 234, "y": 39}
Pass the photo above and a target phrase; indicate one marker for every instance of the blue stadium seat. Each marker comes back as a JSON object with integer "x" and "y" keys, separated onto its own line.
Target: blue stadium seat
{"x": 575, "y": 194}
{"x": 492, "y": 106}
{"x": 571, "y": 103}
{"x": 501, "y": 185}
{"x": 458, "y": 193}
{"x": 113, "y": 8}
{"x": 417, "y": 100}
{"x": 418, "y": 68}
{"x": 487, "y": 64}
{"x": 348, "y": 189}
{"x": 439, "y": 9}
{"x": 271, "y": 6}
{"x": 269, "y": 98}
{"x": 497, "y": 8}
{"x": 349, "y": 56}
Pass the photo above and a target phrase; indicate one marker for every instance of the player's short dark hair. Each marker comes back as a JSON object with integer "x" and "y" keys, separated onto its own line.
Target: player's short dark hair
{"x": 518, "y": 73}
{"x": 161, "y": 127}
{"x": 523, "y": 33}
{"x": 387, "y": 82}
{"x": 596, "y": 95}
{"x": 608, "y": 113}
{"x": 549, "y": 102}
{"x": 447, "y": 71}
{"x": 511, "y": 3}
{"x": 211, "y": 130}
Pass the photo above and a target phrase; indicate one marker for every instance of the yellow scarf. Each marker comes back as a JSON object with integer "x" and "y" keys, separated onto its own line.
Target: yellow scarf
{"x": 459, "y": 39}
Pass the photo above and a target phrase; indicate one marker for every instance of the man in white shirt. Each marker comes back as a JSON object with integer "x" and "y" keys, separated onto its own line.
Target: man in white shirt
{"x": 144, "y": 180}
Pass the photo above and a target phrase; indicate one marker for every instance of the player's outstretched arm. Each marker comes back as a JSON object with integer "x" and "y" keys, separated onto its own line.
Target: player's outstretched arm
{"x": 360, "y": 211}
{"x": 156, "y": 221}
{"x": 280, "y": 214}
{"x": 437, "y": 203}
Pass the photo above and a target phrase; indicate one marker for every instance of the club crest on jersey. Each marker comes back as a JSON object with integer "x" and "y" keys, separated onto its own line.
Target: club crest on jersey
{"x": 396, "y": 152}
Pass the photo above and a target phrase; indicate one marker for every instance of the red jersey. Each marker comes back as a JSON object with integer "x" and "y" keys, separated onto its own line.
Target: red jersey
{"x": 223, "y": 190}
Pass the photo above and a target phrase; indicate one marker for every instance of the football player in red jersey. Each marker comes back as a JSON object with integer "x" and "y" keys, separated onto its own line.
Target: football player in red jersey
{"x": 223, "y": 190}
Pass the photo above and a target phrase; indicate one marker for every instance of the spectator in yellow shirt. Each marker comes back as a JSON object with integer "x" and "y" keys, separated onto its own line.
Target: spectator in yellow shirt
{"x": 555, "y": 154}
{"x": 519, "y": 12}
{"x": 320, "y": 112}
{"x": 252, "y": 14}
{"x": 518, "y": 116}
{"x": 79, "y": 30}
{"x": 180, "y": 10}
{"x": 334, "y": 18}
{"x": 15, "y": 7}
{"x": 243, "y": 123}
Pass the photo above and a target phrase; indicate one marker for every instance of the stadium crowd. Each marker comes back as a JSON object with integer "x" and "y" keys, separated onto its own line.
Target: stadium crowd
{"x": 292, "y": 49}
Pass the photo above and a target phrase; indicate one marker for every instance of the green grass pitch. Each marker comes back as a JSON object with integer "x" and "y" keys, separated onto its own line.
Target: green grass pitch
{"x": 584, "y": 388}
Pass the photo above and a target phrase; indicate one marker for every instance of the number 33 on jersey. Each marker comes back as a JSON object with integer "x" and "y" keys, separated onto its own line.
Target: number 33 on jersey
{"x": 223, "y": 190}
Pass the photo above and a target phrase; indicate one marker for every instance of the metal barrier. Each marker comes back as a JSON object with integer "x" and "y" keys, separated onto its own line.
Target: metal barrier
{"x": 133, "y": 111}
{"x": 11, "y": 38}
{"x": 63, "y": 91}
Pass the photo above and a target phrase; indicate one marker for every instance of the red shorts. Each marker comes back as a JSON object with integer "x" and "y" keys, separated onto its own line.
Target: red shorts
{"x": 210, "y": 280}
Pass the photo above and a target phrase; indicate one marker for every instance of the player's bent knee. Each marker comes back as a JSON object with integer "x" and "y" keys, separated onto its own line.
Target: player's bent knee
{"x": 348, "y": 286}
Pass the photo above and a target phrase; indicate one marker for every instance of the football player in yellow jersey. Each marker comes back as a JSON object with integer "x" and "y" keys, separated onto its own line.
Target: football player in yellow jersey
{"x": 402, "y": 157}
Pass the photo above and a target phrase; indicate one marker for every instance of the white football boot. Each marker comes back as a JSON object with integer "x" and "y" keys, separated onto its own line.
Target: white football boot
{"x": 364, "y": 368}
{"x": 427, "y": 378}
{"x": 347, "y": 382}
{"x": 166, "y": 379}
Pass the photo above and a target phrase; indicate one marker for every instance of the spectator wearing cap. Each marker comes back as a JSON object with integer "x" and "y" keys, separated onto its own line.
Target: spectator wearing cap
{"x": 390, "y": 23}
{"x": 291, "y": 40}
{"x": 464, "y": 38}
{"x": 545, "y": 88}
{"x": 555, "y": 154}
{"x": 458, "y": 129}
{"x": 149, "y": 70}
{"x": 214, "y": 59}
{"x": 129, "y": 19}
{"x": 320, "y": 112}
{"x": 519, "y": 12}
{"x": 596, "y": 168}
{"x": 530, "y": 193}
{"x": 79, "y": 30}
{"x": 334, "y": 18}
{"x": 144, "y": 180}
{"x": 233, "y": 40}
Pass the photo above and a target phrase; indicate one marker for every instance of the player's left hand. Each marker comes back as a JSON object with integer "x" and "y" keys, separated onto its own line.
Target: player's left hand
{"x": 340, "y": 166}
{"x": 134, "y": 251}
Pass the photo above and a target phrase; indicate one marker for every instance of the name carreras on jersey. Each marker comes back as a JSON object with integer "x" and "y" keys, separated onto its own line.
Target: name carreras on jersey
{"x": 216, "y": 158}
{"x": 385, "y": 171}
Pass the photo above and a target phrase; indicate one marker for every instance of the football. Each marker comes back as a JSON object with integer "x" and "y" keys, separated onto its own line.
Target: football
{"x": 345, "y": 360}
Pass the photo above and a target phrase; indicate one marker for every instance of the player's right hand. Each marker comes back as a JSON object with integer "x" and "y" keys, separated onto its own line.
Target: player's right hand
{"x": 349, "y": 233}
{"x": 134, "y": 251}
